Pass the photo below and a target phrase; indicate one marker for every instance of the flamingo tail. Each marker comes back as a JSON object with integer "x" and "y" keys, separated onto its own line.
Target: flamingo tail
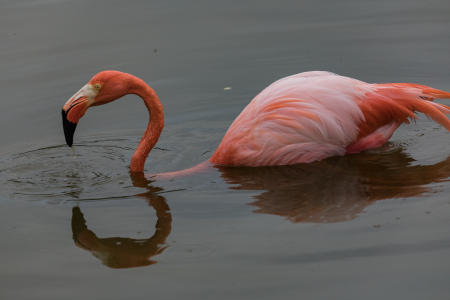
{"x": 397, "y": 103}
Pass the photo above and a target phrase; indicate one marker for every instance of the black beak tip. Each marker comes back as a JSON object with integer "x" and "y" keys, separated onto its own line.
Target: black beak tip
{"x": 69, "y": 128}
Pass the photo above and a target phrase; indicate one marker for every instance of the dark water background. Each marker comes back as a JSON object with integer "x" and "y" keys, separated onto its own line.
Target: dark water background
{"x": 75, "y": 225}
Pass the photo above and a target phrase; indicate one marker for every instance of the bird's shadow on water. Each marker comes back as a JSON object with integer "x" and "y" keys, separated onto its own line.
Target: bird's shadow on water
{"x": 334, "y": 190}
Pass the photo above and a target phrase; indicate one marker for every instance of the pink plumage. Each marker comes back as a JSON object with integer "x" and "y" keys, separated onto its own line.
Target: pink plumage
{"x": 314, "y": 115}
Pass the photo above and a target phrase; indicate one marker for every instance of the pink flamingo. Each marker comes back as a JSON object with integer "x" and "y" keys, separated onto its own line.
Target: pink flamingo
{"x": 298, "y": 119}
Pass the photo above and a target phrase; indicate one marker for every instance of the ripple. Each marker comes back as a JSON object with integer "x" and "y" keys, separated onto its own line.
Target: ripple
{"x": 90, "y": 170}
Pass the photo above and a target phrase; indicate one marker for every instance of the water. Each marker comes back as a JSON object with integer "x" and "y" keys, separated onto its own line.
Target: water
{"x": 74, "y": 223}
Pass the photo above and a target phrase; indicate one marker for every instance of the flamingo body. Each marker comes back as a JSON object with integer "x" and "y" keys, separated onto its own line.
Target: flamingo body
{"x": 297, "y": 119}
{"x": 313, "y": 115}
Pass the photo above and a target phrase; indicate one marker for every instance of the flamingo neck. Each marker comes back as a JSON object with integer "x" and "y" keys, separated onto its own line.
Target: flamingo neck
{"x": 154, "y": 127}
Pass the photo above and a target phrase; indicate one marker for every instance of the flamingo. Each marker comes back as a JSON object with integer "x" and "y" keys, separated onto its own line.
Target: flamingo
{"x": 298, "y": 119}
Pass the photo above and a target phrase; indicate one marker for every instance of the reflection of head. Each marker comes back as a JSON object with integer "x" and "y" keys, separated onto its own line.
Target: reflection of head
{"x": 336, "y": 189}
{"x": 117, "y": 252}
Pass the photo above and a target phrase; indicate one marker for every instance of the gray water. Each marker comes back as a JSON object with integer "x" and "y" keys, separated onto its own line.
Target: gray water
{"x": 75, "y": 224}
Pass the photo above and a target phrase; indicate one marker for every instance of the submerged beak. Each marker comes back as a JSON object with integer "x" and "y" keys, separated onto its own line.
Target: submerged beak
{"x": 72, "y": 112}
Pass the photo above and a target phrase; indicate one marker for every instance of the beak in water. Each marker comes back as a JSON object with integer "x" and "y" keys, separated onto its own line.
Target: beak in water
{"x": 72, "y": 112}
{"x": 69, "y": 128}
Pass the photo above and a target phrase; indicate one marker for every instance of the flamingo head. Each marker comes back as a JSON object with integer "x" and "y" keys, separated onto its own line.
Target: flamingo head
{"x": 104, "y": 87}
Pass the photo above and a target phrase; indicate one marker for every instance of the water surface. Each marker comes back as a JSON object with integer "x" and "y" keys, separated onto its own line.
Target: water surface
{"x": 76, "y": 224}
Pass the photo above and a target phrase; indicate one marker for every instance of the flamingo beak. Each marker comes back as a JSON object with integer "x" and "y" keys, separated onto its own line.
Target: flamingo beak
{"x": 74, "y": 109}
{"x": 69, "y": 129}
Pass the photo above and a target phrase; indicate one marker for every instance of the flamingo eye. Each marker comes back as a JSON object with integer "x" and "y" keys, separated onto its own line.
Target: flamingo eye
{"x": 97, "y": 86}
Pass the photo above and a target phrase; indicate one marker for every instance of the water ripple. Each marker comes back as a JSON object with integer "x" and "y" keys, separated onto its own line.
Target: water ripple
{"x": 92, "y": 170}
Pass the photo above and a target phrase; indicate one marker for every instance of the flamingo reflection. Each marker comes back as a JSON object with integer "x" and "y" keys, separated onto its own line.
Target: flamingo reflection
{"x": 336, "y": 189}
{"x": 121, "y": 252}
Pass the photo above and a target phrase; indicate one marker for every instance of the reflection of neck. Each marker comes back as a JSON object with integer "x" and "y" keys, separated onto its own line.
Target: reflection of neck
{"x": 118, "y": 252}
{"x": 154, "y": 127}
{"x": 163, "y": 226}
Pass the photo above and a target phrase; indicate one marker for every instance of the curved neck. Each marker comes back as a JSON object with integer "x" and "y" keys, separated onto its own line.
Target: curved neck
{"x": 154, "y": 127}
